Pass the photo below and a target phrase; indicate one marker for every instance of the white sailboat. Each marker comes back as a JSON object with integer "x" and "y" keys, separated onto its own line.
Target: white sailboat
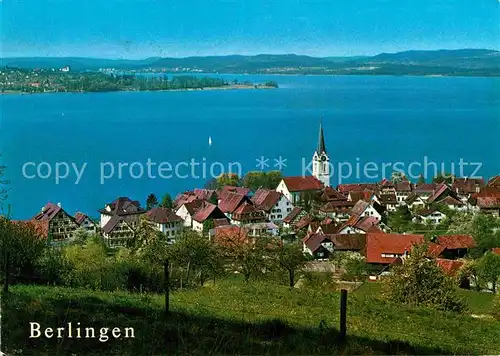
{"x": 210, "y": 140}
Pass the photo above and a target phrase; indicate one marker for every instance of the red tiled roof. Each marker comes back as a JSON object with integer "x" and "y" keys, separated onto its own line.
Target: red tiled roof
{"x": 245, "y": 208}
{"x": 425, "y": 188}
{"x": 328, "y": 228}
{"x": 360, "y": 195}
{"x": 266, "y": 199}
{"x": 193, "y": 206}
{"x": 359, "y": 207}
{"x": 434, "y": 250}
{"x": 441, "y": 189}
{"x": 204, "y": 194}
{"x": 451, "y": 201}
{"x": 113, "y": 222}
{"x": 303, "y": 222}
{"x": 81, "y": 217}
{"x": 49, "y": 211}
{"x": 232, "y": 189}
{"x": 293, "y": 214}
{"x": 488, "y": 202}
{"x": 386, "y": 183}
{"x": 452, "y": 242}
{"x": 450, "y": 267}
{"x": 403, "y": 186}
{"x": 206, "y": 211}
{"x": 494, "y": 181}
{"x": 300, "y": 183}
{"x": 230, "y": 201}
{"x": 314, "y": 241}
{"x": 379, "y": 243}
{"x": 348, "y": 242}
{"x": 467, "y": 185}
{"x": 162, "y": 216}
{"x": 358, "y": 187}
{"x": 336, "y": 205}
{"x": 488, "y": 192}
{"x": 183, "y": 198}
{"x": 230, "y": 235}
{"x": 368, "y": 224}
{"x": 330, "y": 193}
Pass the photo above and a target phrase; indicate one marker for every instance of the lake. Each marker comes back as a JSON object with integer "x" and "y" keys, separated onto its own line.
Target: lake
{"x": 367, "y": 120}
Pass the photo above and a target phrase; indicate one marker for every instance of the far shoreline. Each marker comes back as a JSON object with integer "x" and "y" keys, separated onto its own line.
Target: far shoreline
{"x": 226, "y": 87}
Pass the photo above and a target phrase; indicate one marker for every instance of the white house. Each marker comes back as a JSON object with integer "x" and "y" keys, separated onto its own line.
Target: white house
{"x": 295, "y": 188}
{"x": 129, "y": 210}
{"x": 167, "y": 222}
{"x": 262, "y": 229}
{"x": 431, "y": 216}
{"x": 187, "y": 210}
{"x": 362, "y": 208}
{"x": 415, "y": 201}
{"x": 275, "y": 205}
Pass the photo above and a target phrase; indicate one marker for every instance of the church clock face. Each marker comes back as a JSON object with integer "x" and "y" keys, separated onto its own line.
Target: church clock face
{"x": 323, "y": 158}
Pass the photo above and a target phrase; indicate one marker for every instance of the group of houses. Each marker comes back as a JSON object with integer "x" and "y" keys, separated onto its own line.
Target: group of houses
{"x": 349, "y": 217}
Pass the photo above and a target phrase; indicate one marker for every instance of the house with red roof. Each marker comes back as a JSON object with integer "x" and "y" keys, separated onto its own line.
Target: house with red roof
{"x": 425, "y": 190}
{"x": 362, "y": 209}
{"x": 85, "y": 222}
{"x": 465, "y": 187}
{"x": 166, "y": 221}
{"x": 206, "y": 212}
{"x": 129, "y": 210}
{"x": 187, "y": 210}
{"x": 232, "y": 189}
{"x": 403, "y": 190}
{"x": 297, "y": 188}
{"x": 456, "y": 246}
{"x": 322, "y": 246}
{"x": 274, "y": 204}
{"x": 388, "y": 201}
{"x": 58, "y": 225}
{"x": 360, "y": 225}
{"x": 118, "y": 231}
{"x": 415, "y": 201}
{"x": 230, "y": 201}
{"x": 247, "y": 213}
{"x": 385, "y": 249}
{"x": 296, "y": 213}
{"x": 337, "y": 209}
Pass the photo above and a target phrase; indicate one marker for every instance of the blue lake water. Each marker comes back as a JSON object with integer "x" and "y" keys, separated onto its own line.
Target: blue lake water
{"x": 366, "y": 119}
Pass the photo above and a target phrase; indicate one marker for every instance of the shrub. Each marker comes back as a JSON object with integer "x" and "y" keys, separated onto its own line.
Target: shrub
{"x": 419, "y": 281}
{"x": 496, "y": 308}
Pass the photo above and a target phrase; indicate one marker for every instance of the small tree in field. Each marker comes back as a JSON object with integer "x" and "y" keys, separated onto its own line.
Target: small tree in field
{"x": 489, "y": 269}
{"x": 291, "y": 259}
{"x": 421, "y": 282}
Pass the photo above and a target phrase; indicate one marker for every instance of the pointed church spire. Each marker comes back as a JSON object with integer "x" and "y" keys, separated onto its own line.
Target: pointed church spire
{"x": 321, "y": 139}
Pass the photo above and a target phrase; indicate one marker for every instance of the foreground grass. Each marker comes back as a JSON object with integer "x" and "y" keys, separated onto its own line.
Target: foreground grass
{"x": 232, "y": 317}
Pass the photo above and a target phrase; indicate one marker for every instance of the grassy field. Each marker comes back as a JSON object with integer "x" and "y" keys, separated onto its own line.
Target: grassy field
{"x": 232, "y": 317}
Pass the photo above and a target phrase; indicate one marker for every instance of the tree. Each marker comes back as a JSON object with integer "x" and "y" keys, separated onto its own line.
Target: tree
{"x": 151, "y": 202}
{"x": 291, "y": 259}
{"x": 3, "y": 189}
{"x": 421, "y": 282}
{"x": 167, "y": 201}
{"x": 145, "y": 234}
{"x": 397, "y": 177}
{"x": 258, "y": 179}
{"x": 207, "y": 226}
{"x": 228, "y": 179}
{"x": 488, "y": 269}
{"x": 496, "y": 308}
{"x": 400, "y": 219}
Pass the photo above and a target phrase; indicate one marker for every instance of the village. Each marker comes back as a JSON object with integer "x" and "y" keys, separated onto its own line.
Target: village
{"x": 326, "y": 221}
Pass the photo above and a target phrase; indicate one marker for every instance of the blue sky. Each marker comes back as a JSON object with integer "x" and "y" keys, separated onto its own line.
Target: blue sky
{"x": 140, "y": 29}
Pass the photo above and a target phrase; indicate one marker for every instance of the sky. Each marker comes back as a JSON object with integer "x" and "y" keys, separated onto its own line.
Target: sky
{"x": 147, "y": 28}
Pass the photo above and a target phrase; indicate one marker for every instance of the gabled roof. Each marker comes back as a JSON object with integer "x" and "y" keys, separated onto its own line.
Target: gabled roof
{"x": 123, "y": 206}
{"x": 467, "y": 185}
{"x": 452, "y": 242}
{"x": 329, "y": 193}
{"x": 301, "y": 184}
{"x": 368, "y": 224}
{"x": 425, "y": 188}
{"x": 204, "y": 194}
{"x": 246, "y": 208}
{"x": 494, "y": 181}
{"x": 184, "y": 198}
{"x": 314, "y": 241}
{"x": 206, "y": 211}
{"x": 387, "y": 183}
{"x": 292, "y": 215}
{"x": 162, "y": 216}
{"x": 365, "y": 195}
{"x": 403, "y": 186}
{"x": 348, "y": 242}
{"x": 265, "y": 199}
{"x": 337, "y": 205}
{"x": 81, "y": 217}
{"x": 427, "y": 212}
{"x": 232, "y": 189}
{"x": 359, "y": 207}
{"x": 113, "y": 222}
{"x": 450, "y": 267}
{"x": 346, "y": 188}
{"x": 303, "y": 222}
{"x": 412, "y": 198}
{"x": 450, "y": 201}
{"x": 381, "y": 243}
{"x": 328, "y": 228}
{"x": 193, "y": 206}
{"x": 49, "y": 211}
{"x": 441, "y": 189}
{"x": 434, "y": 250}
{"x": 387, "y": 198}
{"x": 230, "y": 201}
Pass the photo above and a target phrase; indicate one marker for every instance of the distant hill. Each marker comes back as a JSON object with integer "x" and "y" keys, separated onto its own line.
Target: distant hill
{"x": 442, "y": 62}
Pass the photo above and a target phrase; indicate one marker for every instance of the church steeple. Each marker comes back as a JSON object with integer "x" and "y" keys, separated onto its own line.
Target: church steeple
{"x": 321, "y": 139}
{"x": 321, "y": 161}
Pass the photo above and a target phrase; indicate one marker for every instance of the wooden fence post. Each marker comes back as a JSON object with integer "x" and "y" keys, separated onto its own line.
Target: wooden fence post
{"x": 166, "y": 287}
{"x": 343, "y": 314}
{"x": 7, "y": 273}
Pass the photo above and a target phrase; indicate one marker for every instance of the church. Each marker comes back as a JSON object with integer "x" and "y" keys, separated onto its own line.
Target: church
{"x": 320, "y": 160}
